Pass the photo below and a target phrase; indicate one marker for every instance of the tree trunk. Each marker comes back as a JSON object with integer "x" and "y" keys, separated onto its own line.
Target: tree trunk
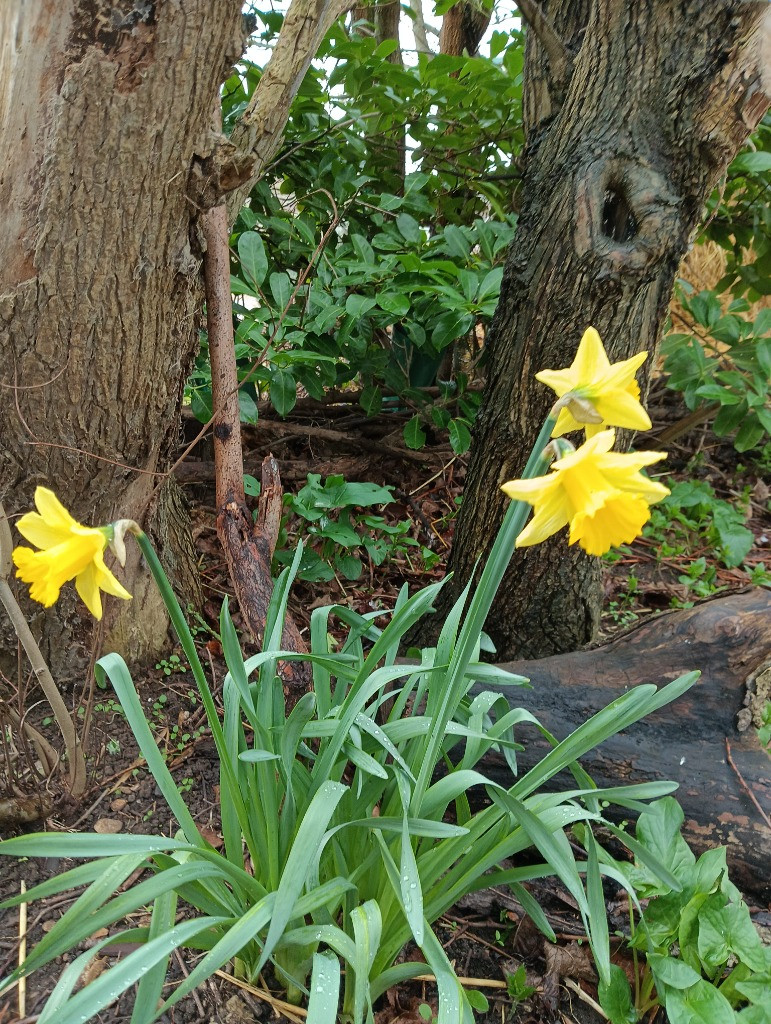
{"x": 707, "y": 741}
{"x": 463, "y": 27}
{"x": 103, "y": 107}
{"x": 629, "y": 126}
{"x": 385, "y": 18}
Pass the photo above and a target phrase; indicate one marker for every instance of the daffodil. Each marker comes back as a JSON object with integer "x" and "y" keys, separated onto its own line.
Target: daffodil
{"x": 601, "y": 394}
{"x": 68, "y": 551}
{"x": 600, "y": 494}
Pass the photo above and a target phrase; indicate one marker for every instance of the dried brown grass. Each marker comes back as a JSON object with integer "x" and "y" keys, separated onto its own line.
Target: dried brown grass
{"x": 702, "y": 268}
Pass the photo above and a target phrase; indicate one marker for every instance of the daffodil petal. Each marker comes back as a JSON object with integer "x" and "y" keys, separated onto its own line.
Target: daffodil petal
{"x": 592, "y": 429}
{"x": 624, "y": 460}
{"x": 560, "y": 381}
{"x": 529, "y": 490}
{"x": 550, "y": 516}
{"x": 620, "y": 375}
{"x": 52, "y": 510}
{"x": 106, "y": 581}
{"x": 87, "y": 586}
{"x": 622, "y": 410}
{"x": 30, "y": 569}
{"x": 638, "y": 485}
{"x": 42, "y": 534}
{"x": 591, "y": 361}
{"x": 595, "y": 446}
{"x": 567, "y": 423}
{"x": 618, "y": 521}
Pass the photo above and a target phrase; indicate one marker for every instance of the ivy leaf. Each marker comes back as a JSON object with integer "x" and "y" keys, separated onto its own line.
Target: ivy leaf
{"x": 734, "y": 538}
{"x": 254, "y": 261}
{"x": 349, "y": 566}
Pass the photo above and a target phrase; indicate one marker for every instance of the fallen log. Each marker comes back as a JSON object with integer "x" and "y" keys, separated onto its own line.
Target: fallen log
{"x": 723, "y": 773}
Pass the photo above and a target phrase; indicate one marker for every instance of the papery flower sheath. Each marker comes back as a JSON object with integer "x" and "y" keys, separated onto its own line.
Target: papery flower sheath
{"x": 610, "y": 389}
{"x": 69, "y": 551}
{"x": 600, "y": 494}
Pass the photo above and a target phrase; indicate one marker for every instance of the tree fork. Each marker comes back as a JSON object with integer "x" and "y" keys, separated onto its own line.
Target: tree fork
{"x": 616, "y": 169}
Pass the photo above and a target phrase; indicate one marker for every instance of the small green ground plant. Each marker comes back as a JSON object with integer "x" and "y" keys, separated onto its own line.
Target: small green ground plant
{"x": 332, "y": 520}
{"x": 703, "y": 960}
{"x": 692, "y": 516}
{"x": 727, "y": 364}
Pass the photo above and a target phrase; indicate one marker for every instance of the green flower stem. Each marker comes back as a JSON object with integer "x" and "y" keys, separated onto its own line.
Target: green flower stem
{"x": 484, "y": 595}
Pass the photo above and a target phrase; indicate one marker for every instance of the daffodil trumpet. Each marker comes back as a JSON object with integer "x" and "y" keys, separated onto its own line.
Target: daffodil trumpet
{"x": 601, "y": 495}
{"x": 68, "y": 551}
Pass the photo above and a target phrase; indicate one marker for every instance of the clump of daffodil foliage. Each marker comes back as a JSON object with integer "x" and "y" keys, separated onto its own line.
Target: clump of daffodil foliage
{"x": 340, "y": 843}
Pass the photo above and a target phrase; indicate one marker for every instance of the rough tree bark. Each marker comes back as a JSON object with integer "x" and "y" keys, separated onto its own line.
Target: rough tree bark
{"x": 463, "y": 27}
{"x": 103, "y": 108}
{"x": 632, "y": 111}
{"x": 107, "y": 164}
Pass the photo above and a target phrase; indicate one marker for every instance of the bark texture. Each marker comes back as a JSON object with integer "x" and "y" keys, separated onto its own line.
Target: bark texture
{"x": 620, "y": 158}
{"x": 463, "y": 27}
{"x": 689, "y": 741}
{"x": 104, "y": 107}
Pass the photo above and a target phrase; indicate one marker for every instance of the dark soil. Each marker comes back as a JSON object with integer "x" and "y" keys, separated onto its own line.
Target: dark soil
{"x": 488, "y": 937}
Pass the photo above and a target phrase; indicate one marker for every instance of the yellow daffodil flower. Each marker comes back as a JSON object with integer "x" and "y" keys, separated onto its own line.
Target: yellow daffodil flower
{"x": 601, "y": 494}
{"x": 610, "y": 390}
{"x": 68, "y": 551}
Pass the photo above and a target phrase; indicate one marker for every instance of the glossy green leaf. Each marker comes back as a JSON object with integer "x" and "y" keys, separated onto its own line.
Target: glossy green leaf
{"x": 254, "y": 261}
